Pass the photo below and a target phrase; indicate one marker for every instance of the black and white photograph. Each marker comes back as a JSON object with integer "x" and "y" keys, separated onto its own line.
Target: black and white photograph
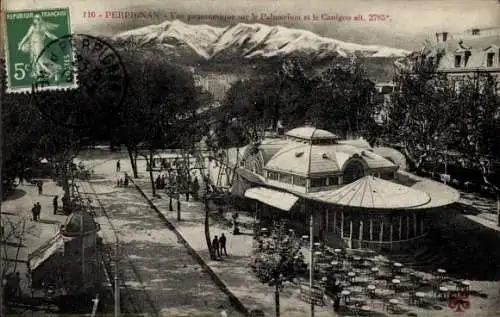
{"x": 255, "y": 158}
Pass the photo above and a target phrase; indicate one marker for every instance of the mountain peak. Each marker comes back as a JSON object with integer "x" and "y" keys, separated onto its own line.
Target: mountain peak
{"x": 247, "y": 40}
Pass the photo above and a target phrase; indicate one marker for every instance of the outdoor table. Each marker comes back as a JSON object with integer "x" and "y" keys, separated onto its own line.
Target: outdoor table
{"x": 351, "y": 275}
{"x": 374, "y": 270}
{"x": 414, "y": 278}
{"x": 371, "y": 290}
{"x": 396, "y": 268}
{"x": 395, "y": 283}
{"x": 338, "y": 252}
{"x": 443, "y": 292}
{"x": 357, "y": 260}
{"x": 441, "y": 273}
{"x": 317, "y": 244}
{"x": 366, "y": 310}
{"x": 318, "y": 253}
{"x": 324, "y": 279}
{"x": 392, "y": 304}
{"x": 336, "y": 265}
{"x": 464, "y": 287}
{"x": 420, "y": 297}
{"x": 346, "y": 294}
{"x": 305, "y": 237}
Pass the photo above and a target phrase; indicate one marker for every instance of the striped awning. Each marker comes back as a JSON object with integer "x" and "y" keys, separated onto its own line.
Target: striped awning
{"x": 277, "y": 199}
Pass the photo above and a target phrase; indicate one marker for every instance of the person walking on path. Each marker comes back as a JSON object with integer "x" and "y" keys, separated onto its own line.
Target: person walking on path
{"x": 215, "y": 246}
{"x": 55, "y": 203}
{"x": 118, "y": 165}
{"x": 38, "y": 210}
{"x": 222, "y": 244}
{"x": 33, "y": 211}
{"x": 39, "y": 184}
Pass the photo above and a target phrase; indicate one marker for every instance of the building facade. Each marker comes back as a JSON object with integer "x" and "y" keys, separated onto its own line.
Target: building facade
{"x": 466, "y": 60}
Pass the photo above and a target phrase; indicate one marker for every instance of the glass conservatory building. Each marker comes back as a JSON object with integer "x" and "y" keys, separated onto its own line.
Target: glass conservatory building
{"x": 357, "y": 196}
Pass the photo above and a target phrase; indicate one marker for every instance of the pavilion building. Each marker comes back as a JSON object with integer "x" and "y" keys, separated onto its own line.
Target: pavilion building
{"x": 357, "y": 197}
{"x": 68, "y": 262}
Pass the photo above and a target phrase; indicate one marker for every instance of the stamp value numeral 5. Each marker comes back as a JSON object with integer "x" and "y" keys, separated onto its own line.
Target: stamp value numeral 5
{"x": 20, "y": 70}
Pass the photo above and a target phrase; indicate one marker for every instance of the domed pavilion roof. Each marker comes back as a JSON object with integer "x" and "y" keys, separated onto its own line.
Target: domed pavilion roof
{"x": 374, "y": 193}
{"x": 74, "y": 222}
{"x": 309, "y": 160}
{"x": 311, "y": 133}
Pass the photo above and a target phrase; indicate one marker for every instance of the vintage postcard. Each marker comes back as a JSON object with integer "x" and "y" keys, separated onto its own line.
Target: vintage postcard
{"x": 250, "y": 158}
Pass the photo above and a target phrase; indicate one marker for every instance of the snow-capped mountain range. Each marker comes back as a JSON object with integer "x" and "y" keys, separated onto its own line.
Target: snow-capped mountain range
{"x": 245, "y": 41}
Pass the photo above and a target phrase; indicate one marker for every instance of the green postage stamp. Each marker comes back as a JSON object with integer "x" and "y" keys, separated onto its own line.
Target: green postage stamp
{"x": 30, "y": 51}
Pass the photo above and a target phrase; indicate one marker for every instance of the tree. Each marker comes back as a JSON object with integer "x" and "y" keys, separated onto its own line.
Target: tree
{"x": 475, "y": 129}
{"x": 342, "y": 100}
{"x": 161, "y": 99}
{"x": 338, "y": 98}
{"x": 421, "y": 116}
{"x": 61, "y": 145}
{"x": 276, "y": 259}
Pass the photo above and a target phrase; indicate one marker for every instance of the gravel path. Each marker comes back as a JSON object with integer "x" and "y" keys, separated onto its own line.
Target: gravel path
{"x": 160, "y": 276}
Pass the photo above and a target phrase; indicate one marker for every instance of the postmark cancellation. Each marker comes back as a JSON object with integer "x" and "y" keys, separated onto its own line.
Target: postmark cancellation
{"x": 28, "y": 60}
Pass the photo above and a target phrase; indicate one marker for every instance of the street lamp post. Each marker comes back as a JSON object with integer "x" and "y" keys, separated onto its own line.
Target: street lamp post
{"x": 117, "y": 285}
{"x": 311, "y": 260}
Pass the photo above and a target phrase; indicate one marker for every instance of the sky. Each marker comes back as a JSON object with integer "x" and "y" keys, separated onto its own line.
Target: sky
{"x": 406, "y": 25}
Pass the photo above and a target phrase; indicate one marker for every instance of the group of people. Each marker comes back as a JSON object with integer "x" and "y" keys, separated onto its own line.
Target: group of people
{"x": 36, "y": 210}
{"x": 219, "y": 246}
{"x": 122, "y": 182}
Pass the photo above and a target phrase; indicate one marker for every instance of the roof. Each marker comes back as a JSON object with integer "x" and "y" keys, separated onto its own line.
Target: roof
{"x": 440, "y": 194}
{"x": 74, "y": 223}
{"x": 269, "y": 147}
{"x": 391, "y": 154}
{"x": 45, "y": 251}
{"x": 310, "y": 133}
{"x": 277, "y": 199}
{"x": 477, "y": 59}
{"x": 374, "y": 193}
{"x": 306, "y": 159}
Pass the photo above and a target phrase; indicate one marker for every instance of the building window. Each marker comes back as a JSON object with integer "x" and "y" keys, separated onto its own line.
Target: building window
{"x": 286, "y": 178}
{"x": 489, "y": 59}
{"x": 299, "y": 181}
{"x": 273, "y": 176}
{"x": 458, "y": 60}
{"x": 318, "y": 182}
{"x": 332, "y": 181}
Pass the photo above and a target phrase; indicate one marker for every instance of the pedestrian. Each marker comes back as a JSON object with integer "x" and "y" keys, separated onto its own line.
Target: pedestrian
{"x": 55, "y": 203}
{"x": 38, "y": 210}
{"x": 215, "y": 246}
{"x": 195, "y": 187}
{"x": 39, "y": 184}
{"x": 17, "y": 285}
{"x": 118, "y": 165}
{"x": 33, "y": 211}
{"x": 222, "y": 244}
{"x": 125, "y": 181}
